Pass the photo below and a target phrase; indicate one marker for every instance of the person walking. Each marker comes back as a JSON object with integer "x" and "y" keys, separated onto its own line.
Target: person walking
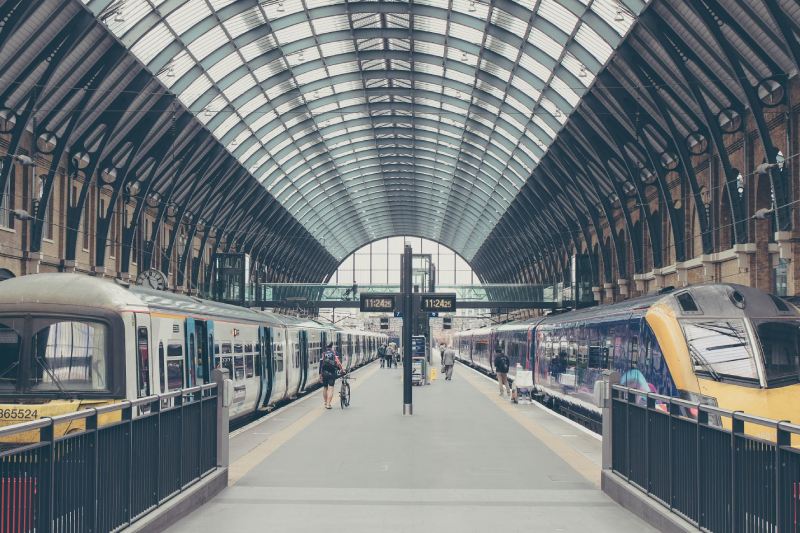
{"x": 448, "y": 360}
{"x": 382, "y": 354}
{"x": 391, "y": 353}
{"x": 501, "y": 364}
{"x": 329, "y": 369}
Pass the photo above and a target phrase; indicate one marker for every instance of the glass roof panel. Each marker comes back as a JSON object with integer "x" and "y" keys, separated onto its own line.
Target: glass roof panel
{"x": 334, "y": 95}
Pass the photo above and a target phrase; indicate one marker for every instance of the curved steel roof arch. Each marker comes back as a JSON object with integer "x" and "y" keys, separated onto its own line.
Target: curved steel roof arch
{"x": 279, "y": 82}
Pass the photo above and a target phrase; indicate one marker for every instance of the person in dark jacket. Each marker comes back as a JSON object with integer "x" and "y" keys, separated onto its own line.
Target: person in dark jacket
{"x": 501, "y": 364}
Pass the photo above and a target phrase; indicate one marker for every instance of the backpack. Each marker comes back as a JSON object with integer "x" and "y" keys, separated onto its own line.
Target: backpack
{"x": 382, "y": 351}
{"x": 501, "y": 363}
{"x": 329, "y": 363}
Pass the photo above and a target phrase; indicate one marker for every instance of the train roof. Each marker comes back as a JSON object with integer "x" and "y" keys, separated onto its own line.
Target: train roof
{"x": 709, "y": 299}
{"x": 70, "y": 289}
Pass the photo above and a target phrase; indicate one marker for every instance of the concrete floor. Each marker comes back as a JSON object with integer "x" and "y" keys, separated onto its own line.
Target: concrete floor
{"x": 466, "y": 461}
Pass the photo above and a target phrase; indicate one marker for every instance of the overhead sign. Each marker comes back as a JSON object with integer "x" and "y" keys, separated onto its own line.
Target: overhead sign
{"x": 377, "y": 303}
{"x": 434, "y": 302}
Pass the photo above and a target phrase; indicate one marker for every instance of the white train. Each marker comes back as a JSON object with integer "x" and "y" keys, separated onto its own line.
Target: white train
{"x": 68, "y": 341}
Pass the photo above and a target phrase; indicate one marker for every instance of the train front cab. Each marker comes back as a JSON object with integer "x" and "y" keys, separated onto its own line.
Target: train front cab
{"x": 735, "y": 347}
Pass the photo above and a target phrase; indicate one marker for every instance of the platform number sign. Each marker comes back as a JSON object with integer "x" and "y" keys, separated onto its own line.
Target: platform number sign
{"x": 377, "y": 303}
{"x": 438, "y": 302}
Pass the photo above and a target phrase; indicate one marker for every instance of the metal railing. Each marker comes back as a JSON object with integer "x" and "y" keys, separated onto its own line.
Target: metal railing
{"x": 105, "y": 475}
{"x": 683, "y": 455}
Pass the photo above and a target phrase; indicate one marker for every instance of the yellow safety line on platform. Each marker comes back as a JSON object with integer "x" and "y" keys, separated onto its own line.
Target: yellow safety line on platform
{"x": 239, "y": 468}
{"x": 580, "y": 463}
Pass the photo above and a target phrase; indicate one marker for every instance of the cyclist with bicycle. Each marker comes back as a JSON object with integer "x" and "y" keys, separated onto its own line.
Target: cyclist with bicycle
{"x": 329, "y": 369}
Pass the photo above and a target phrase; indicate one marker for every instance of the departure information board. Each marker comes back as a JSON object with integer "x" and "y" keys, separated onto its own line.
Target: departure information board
{"x": 377, "y": 303}
{"x": 438, "y": 302}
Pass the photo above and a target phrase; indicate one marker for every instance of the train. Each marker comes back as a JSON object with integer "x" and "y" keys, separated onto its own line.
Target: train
{"x": 71, "y": 341}
{"x": 725, "y": 345}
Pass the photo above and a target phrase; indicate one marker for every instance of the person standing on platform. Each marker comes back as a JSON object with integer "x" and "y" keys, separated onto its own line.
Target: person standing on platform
{"x": 448, "y": 360}
{"x": 501, "y": 364}
{"x": 382, "y": 355}
{"x": 329, "y": 369}
{"x": 391, "y": 353}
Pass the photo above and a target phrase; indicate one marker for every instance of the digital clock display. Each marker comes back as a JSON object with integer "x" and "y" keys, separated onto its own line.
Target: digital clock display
{"x": 443, "y": 303}
{"x": 377, "y": 303}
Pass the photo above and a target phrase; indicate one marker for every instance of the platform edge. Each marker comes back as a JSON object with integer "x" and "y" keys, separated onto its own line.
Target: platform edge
{"x": 182, "y": 505}
{"x": 642, "y": 505}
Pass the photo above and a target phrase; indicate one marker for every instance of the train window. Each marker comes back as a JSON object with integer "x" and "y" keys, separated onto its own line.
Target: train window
{"x": 249, "y": 365}
{"x": 720, "y": 348}
{"x": 239, "y": 367}
{"x": 162, "y": 364}
{"x": 143, "y": 362}
{"x": 780, "y": 344}
{"x": 686, "y": 302}
{"x": 226, "y": 347}
{"x": 598, "y": 357}
{"x": 175, "y": 366}
{"x": 257, "y": 363}
{"x": 70, "y": 355}
{"x": 174, "y": 374}
{"x": 237, "y": 348}
{"x": 227, "y": 363}
{"x": 216, "y": 349}
{"x": 780, "y": 305}
{"x": 9, "y": 358}
{"x": 174, "y": 350}
{"x": 248, "y": 348}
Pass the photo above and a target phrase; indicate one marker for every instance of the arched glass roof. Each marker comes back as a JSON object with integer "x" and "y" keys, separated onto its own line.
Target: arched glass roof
{"x": 371, "y": 119}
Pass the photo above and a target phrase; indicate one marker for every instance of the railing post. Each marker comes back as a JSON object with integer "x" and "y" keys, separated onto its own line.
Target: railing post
{"x": 155, "y": 407}
{"x": 737, "y": 428}
{"x": 179, "y": 403}
{"x": 702, "y": 421}
{"x": 91, "y": 427}
{"x": 198, "y": 397}
{"x": 651, "y": 404}
{"x": 782, "y": 438}
{"x": 673, "y": 410}
{"x": 610, "y": 378}
{"x": 629, "y": 398}
{"x": 127, "y": 415}
{"x": 47, "y": 433}
{"x": 220, "y": 376}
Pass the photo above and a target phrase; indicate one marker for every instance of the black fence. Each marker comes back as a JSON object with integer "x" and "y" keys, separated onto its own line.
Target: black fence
{"x": 723, "y": 471}
{"x": 100, "y": 469}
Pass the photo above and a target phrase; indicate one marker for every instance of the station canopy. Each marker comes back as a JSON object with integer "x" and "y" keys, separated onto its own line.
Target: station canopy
{"x": 373, "y": 119}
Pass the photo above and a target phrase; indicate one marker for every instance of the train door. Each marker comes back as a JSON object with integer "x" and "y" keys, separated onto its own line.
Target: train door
{"x": 303, "y": 340}
{"x": 144, "y": 367}
{"x": 204, "y": 341}
{"x": 190, "y": 351}
{"x": 265, "y": 360}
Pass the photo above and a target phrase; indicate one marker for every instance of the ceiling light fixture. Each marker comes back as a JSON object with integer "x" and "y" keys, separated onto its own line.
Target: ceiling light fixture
{"x": 582, "y": 73}
{"x": 463, "y": 56}
{"x": 472, "y": 7}
{"x": 281, "y": 9}
{"x": 618, "y": 17}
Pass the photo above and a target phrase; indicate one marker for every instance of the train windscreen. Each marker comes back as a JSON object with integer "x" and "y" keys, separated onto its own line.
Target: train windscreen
{"x": 720, "y": 349}
{"x": 69, "y": 355}
{"x": 780, "y": 345}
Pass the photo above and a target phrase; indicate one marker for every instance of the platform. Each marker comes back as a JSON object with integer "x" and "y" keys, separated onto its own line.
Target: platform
{"x": 467, "y": 460}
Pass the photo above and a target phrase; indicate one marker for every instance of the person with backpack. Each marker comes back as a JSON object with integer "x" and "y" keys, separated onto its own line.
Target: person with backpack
{"x": 382, "y": 355}
{"x": 329, "y": 368}
{"x": 501, "y": 364}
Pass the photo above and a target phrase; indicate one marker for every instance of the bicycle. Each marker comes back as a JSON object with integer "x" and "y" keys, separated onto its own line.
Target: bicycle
{"x": 344, "y": 390}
